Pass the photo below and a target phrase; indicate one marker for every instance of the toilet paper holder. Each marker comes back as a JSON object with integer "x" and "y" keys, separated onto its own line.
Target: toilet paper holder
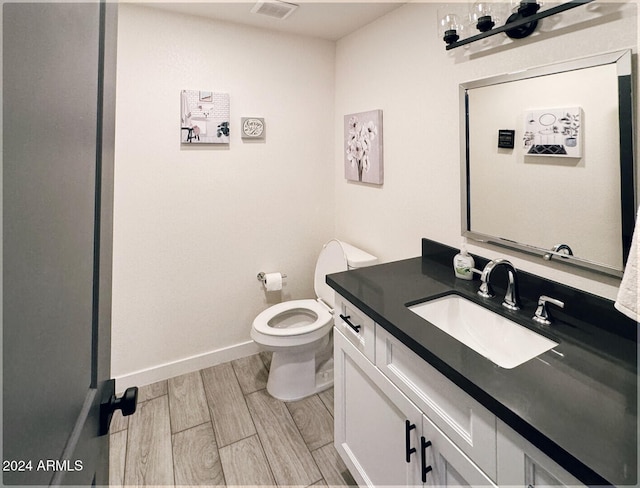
{"x": 262, "y": 274}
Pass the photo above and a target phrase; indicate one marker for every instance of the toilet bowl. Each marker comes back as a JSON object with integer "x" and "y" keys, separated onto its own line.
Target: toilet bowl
{"x": 298, "y": 332}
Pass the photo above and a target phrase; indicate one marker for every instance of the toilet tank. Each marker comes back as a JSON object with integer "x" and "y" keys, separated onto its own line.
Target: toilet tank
{"x": 357, "y": 258}
{"x": 337, "y": 256}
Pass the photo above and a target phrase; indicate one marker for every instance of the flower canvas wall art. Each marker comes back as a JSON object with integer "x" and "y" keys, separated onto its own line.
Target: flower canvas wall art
{"x": 363, "y": 147}
{"x": 204, "y": 117}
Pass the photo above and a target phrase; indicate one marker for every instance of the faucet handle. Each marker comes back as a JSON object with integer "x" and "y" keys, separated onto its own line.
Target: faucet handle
{"x": 542, "y": 315}
{"x": 485, "y": 290}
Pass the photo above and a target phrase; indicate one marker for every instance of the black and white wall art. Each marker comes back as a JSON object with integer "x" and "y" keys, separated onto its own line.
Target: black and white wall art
{"x": 554, "y": 132}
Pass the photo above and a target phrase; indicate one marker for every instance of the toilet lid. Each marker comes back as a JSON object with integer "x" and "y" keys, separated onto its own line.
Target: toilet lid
{"x": 331, "y": 260}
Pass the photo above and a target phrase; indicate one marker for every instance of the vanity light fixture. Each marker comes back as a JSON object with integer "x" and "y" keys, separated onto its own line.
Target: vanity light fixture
{"x": 520, "y": 24}
{"x": 524, "y": 10}
{"x": 481, "y": 15}
{"x": 450, "y": 28}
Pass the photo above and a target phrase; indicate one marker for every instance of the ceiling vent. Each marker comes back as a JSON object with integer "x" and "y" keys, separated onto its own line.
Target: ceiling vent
{"x": 274, "y": 8}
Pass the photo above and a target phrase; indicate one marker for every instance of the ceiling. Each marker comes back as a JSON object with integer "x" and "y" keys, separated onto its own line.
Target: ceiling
{"x": 327, "y": 20}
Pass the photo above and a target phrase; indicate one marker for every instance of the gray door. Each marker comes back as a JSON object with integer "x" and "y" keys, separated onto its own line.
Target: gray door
{"x": 57, "y": 163}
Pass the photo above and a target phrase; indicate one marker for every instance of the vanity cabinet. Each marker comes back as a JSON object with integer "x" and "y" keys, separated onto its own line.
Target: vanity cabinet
{"x": 376, "y": 427}
{"x": 383, "y": 437}
{"x": 400, "y": 422}
{"x": 467, "y": 423}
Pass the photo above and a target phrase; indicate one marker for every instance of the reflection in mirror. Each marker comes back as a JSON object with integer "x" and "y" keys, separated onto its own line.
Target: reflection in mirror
{"x": 547, "y": 162}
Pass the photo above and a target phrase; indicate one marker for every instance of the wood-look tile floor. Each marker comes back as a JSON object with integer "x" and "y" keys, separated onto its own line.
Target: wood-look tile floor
{"x": 220, "y": 427}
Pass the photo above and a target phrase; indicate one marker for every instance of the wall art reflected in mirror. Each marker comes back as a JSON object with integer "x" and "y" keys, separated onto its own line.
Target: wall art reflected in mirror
{"x": 547, "y": 161}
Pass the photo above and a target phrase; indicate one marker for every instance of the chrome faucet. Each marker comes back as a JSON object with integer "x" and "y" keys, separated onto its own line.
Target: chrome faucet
{"x": 511, "y": 297}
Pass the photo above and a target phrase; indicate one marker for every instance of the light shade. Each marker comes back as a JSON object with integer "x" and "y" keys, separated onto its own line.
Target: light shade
{"x": 482, "y": 16}
{"x": 450, "y": 27}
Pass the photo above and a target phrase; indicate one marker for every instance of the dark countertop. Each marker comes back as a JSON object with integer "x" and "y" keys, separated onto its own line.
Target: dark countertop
{"x": 577, "y": 403}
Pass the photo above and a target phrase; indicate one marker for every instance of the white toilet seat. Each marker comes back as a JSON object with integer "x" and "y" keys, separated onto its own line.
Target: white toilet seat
{"x": 294, "y": 319}
{"x": 298, "y": 332}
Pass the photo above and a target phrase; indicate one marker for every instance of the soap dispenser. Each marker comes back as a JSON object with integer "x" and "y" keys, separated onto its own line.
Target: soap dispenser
{"x": 463, "y": 263}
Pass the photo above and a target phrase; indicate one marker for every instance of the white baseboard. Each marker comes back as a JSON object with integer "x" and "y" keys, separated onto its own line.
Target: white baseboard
{"x": 187, "y": 365}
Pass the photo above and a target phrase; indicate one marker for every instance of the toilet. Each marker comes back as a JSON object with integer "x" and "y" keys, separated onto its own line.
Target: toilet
{"x": 298, "y": 332}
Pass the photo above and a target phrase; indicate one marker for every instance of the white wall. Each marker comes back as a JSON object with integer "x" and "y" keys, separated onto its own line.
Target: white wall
{"x": 399, "y": 65}
{"x": 194, "y": 225}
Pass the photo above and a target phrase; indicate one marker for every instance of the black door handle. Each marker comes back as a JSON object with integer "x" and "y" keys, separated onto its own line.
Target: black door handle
{"x": 348, "y": 322}
{"x": 425, "y": 469}
{"x": 408, "y": 427}
{"x": 127, "y": 403}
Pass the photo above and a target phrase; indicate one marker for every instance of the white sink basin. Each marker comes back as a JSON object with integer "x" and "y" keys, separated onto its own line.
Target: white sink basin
{"x": 497, "y": 338}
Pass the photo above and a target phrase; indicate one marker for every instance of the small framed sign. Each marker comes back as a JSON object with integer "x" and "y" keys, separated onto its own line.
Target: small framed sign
{"x": 252, "y": 128}
{"x": 506, "y": 138}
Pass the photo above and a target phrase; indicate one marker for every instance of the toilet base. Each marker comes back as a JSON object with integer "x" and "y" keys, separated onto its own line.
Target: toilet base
{"x": 294, "y": 375}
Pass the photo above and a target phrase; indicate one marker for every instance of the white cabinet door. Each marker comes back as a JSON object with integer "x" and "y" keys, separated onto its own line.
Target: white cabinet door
{"x": 520, "y": 464}
{"x": 377, "y": 429}
{"x": 471, "y": 426}
{"x": 444, "y": 464}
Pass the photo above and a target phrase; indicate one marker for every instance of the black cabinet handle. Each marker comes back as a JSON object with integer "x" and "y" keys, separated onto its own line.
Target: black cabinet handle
{"x": 348, "y": 322}
{"x": 408, "y": 427}
{"x": 425, "y": 469}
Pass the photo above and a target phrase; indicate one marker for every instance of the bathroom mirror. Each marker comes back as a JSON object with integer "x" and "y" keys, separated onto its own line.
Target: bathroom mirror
{"x": 547, "y": 161}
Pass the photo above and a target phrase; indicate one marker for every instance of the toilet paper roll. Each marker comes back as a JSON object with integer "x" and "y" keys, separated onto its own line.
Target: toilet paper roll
{"x": 273, "y": 281}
